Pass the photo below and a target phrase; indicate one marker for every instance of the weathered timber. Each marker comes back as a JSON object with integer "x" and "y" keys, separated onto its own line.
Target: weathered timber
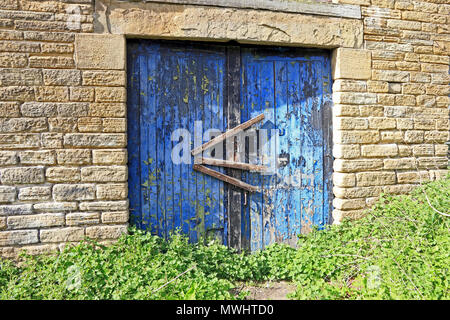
{"x": 223, "y": 177}
{"x": 227, "y": 134}
{"x": 234, "y": 165}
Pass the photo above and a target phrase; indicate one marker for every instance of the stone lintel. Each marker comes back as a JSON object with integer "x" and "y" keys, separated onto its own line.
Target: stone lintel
{"x": 209, "y": 23}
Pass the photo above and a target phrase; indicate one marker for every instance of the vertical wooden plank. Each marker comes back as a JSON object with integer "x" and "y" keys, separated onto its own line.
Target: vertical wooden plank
{"x": 316, "y": 124}
{"x": 282, "y": 200}
{"x": 307, "y": 147}
{"x": 294, "y": 137}
{"x": 211, "y": 83}
{"x": 327, "y": 127}
{"x": 233, "y": 117}
{"x": 250, "y": 100}
{"x": 201, "y": 114}
{"x": 159, "y": 133}
{"x": 205, "y": 75}
{"x": 144, "y": 148}
{"x": 170, "y": 103}
{"x": 220, "y": 123}
{"x": 189, "y": 97}
{"x": 150, "y": 162}
{"x": 266, "y": 201}
{"x": 186, "y": 168}
{"x": 177, "y": 167}
{"x": 133, "y": 87}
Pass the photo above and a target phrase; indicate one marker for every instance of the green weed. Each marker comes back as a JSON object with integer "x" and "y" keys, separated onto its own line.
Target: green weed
{"x": 400, "y": 250}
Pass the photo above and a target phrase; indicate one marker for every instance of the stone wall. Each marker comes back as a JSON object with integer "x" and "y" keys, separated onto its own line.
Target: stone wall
{"x": 63, "y": 173}
{"x": 63, "y": 160}
{"x": 391, "y": 125}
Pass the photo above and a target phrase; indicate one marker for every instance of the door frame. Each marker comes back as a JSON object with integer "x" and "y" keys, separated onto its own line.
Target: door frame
{"x": 236, "y": 218}
{"x": 116, "y": 21}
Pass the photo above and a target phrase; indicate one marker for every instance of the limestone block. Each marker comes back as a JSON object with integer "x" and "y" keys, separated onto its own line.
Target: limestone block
{"x": 380, "y": 178}
{"x": 413, "y": 176}
{"x": 354, "y": 98}
{"x": 7, "y": 194}
{"x": 110, "y": 140}
{"x": 351, "y": 64}
{"x": 35, "y": 193}
{"x": 105, "y": 232}
{"x": 9, "y": 210}
{"x": 108, "y": 157}
{"x": 45, "y": 157}
{"x": 357, "y": 192}
{"x": 340, "y": 215}
{"x": 104, "y": 78}
{"x": 344, "y": 179}
{"x": 68, "y": 192}
{"x": 354, "y": 165}
{"x": 346, "y": 151}
{"x": 52, "y": 140}
{"x": 355, "y": 136}
{"x": 35, "y": 221}
{"x": 100, "y": 51}
{"x": 107, "y": 109}
{"x": 18, "y": 237}
{"x": 61, "y": 234}
{"x": 63, "y": 174}
{"x": 23, "y": 125}
{"x": 104, "y": 174}
{"x": 400, "y": 164}
{"x": 38, "y": 109}
{"x": 55, "y": 77}
{"x": 82, "y": 218}
{"x": 23, "y": 175}
{"x": 348, "y": 204}
{"x": 115, "y": 217}
{"x": 73, "y": 156}
{"x": 82, "y": 94}
{"x": 118, "y": 191}
{"x": 104, "y": 206}
{"x": 9, "y": 109}
{"x": 379, "y": 150}
{"x": 55, "y": 206}
{"x": 19, "y": 141}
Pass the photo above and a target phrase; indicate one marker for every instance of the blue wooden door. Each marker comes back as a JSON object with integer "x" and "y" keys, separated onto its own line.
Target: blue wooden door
{"x": 172, "y": 87}
{"x": 178, "y": 85}
{"x": 293, "y": 90}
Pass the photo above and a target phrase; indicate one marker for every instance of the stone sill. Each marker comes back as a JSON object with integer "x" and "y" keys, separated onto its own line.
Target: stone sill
{"x": 291, "y": 6}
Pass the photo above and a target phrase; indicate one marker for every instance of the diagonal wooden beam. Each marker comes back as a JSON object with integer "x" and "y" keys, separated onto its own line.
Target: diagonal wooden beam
{"x": 218, "y": 175}
{"x": 228, "y": 133}
{"x": 233, "y": 164}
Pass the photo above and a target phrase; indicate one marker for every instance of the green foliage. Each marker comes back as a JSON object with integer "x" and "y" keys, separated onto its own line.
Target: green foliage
{"x": 400, "y": 250}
